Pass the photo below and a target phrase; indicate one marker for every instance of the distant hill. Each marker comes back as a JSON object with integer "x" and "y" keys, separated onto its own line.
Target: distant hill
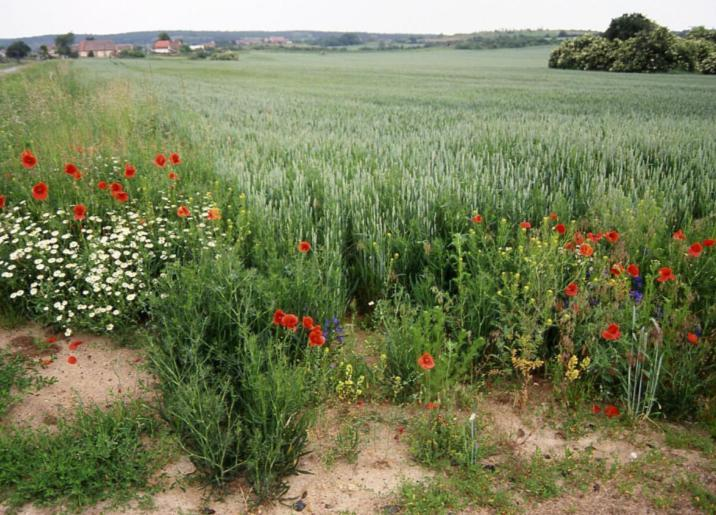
{"x": 484, "y": 39}
{"x": 202, "y": 36}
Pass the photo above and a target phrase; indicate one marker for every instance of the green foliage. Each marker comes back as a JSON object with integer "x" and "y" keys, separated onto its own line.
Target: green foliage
{"x": 652, "y": 51}
{"x": 132, "y": 53}
{"x": 234, "y": 392}
{"x": 679, "y": 438}
{"x": 17, "y": 50}
{"x": 439, "y": 439}
{"x": 702, "y": 497}
{"x": 97, "y": 455}
{"x": 627, "y": 26}
{"x": 633, "y": 43}
{"x": 63, "y": 44}
{"x": 275, "y": 417}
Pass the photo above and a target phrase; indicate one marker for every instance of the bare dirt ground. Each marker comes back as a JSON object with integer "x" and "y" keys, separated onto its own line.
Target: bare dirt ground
{"x": 102, "y": 373}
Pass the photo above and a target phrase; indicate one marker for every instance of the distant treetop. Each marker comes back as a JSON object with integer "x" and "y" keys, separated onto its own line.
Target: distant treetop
{"x": 628, "y": 25}
{"x": 163, "y": 36}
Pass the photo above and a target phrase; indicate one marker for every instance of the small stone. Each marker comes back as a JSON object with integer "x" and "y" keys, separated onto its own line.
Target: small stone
{"x": 489, "y": 467}
{"x": 597, "y": 487}
{"x": 299, "y": 505}
{"x": 208, "y": 511}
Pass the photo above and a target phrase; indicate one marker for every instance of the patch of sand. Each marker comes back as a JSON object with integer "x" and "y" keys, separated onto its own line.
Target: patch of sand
{"x": 102, "y": 374}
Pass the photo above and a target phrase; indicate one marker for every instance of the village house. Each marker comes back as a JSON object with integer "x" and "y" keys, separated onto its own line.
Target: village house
{"x": 162, "y": 46}
{"x": 96, "y": 48}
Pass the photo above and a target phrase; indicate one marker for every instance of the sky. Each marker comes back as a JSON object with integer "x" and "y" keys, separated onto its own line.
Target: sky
{"x": 36, "y": 17}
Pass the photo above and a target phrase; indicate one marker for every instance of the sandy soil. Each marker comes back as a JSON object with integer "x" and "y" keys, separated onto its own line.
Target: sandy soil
{"x": 103, "y": 373}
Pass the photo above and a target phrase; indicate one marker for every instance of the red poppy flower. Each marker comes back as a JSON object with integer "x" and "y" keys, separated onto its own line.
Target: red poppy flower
{"x": 525, "y": 225}
{"x": 578, "y": 238}
{"x": 611, "y": 411}
{"x": 71, "y": 360}
{"x": 214, "y": 213}
{"x": 160, "y": 160}
{"x": 586, "y": 250}
{"x": 665, "y": 274}
{"x": 693, "y": 338}
{"x": 2, "y": 201}
{"x": 633, "y": 270}
{"x": 596, "y": 409}
{"x": 553, "y": 216}
{"x": 709, "y": 243}
{"x": 174, "y": 158}
{"x": 477, "y": 219}
{"x": 74, "y": 345}
{"x": 612, "y": 236}
{"x": 679, "y": 235}
{"x": 612, "y": 333}
{"x": 28, "y": 159}
{"x": 432, "y": 405}
{"x": 80, "y": 212}
{"x": 426, "y": 361}
{"x": 290, "y": 322}
{"x": 571, "y": 290}
{"x": 303, "y": 246}
{"x": 594, "y": 237}
{"x": 695, "y": 249}
{"x": 71, "y": 169}
{"x": 102, "y": 185}
{"x": 51, "y": 339}
{"x": 116, "y": 187}
{"x": 121, "y": 196}
{"x": 560, "y": 228}
{"x": 307, "y": 323}
{"x": 172, "y": 176}
{"x": 617, "y": 269}
{"x": 316, "y": 338}
{"x": 183, "y": 212}
{"x": 129, "y": 171}
{"x": 278, "y": 316}
{"x": 39, "y": 191}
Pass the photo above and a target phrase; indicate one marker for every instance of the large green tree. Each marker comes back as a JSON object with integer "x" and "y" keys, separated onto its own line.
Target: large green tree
{"x": 63, "y": 44}
{"x": 163, "y": 36}
{"x": 628, "y": 25}
{"x": 17, "y": 50}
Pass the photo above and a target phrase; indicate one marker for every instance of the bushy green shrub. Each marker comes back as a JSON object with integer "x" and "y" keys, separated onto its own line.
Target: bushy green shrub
{"x": 234, "y": 384}
{"x": 633, "y": 43}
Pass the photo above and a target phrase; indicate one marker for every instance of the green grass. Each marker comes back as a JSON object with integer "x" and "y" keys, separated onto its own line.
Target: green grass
{"x": 93, "y": 456}
{"x": 691, "y": 438}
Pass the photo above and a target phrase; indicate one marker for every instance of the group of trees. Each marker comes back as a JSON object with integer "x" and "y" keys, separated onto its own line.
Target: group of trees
{"x": 19, "y": 50}
{"x": 634, "y": 43}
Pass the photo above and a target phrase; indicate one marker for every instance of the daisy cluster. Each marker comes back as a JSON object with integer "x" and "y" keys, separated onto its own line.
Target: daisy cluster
{"x": 95, "y": 274}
